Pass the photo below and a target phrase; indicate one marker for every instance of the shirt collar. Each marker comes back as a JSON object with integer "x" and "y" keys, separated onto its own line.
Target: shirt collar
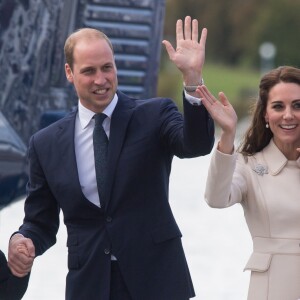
{"x": 85, "y": 115}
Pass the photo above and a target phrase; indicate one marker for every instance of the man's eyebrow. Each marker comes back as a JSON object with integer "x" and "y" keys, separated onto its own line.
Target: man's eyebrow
{"x": 86, "y": 68}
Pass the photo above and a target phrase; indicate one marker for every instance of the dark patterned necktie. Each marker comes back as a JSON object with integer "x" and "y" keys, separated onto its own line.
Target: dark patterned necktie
{"x": 100, "y": 141}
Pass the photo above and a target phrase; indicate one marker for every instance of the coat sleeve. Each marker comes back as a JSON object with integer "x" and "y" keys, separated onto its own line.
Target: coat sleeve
{"x": 199, "y": 129}
{"x": 226, "y": 183}
{"x": 188, "y": 135}
{"x": 41, "y": 219}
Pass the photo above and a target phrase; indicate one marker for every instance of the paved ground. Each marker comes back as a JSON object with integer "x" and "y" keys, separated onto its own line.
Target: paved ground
{"x": 216, "y": 242}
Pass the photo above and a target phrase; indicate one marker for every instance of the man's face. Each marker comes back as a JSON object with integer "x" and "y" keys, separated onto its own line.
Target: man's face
{"x": 94, "y": 73}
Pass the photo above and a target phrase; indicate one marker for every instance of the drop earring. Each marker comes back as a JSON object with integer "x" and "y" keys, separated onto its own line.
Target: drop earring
{"x": 267, "y": 125}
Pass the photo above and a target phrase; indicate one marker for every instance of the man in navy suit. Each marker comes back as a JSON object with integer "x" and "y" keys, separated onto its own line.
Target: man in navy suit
{"x": 125, "y": 244}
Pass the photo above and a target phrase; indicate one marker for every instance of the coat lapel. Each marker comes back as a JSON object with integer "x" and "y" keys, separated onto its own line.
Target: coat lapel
{"x": 119, "y": 123}
{"x": 66, "y": 148}
{"x": 274, "y": 158}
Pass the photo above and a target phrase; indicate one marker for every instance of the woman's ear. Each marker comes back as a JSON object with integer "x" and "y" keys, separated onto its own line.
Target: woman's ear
{"x": 266, "y": 118}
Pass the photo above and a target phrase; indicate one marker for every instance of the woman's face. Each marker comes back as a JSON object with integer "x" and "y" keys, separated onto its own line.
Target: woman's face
{"x": 283, "y": 116}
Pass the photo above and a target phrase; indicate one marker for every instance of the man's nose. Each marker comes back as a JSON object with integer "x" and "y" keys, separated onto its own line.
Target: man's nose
{"x": 99, "y": 78}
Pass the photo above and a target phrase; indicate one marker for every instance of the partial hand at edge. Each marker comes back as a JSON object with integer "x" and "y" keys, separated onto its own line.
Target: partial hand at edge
{"x": 21, "y": 254}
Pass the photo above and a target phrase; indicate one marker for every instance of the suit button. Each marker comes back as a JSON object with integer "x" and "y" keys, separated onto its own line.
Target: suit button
{"x": 106, "y": 251}
{"x": 108, "y": 219}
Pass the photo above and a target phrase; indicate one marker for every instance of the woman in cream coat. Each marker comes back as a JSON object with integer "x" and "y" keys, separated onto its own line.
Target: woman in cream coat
{"x": 264, "y": 177}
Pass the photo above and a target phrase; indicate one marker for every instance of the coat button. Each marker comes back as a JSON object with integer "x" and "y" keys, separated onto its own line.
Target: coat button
{"x": 108, "y": 219}
{"x": 106, "y": 251}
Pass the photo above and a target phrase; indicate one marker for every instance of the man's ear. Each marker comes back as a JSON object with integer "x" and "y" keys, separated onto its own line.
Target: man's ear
{"x": 69, "y": 73}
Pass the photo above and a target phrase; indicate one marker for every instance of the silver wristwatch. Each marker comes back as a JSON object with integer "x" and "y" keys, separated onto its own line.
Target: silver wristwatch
{"x": 192, "y": 88}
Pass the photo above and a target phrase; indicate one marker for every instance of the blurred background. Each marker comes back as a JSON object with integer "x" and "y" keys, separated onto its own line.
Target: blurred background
{"x": 245, "y": 39}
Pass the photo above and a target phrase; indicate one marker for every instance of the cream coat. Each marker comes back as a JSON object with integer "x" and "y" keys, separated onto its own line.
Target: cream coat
{"x": 268, "y": 188}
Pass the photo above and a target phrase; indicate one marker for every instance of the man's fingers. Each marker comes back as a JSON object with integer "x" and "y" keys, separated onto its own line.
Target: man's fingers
{"x": 20, "y": 265}
{"x": 195, "y": 31}
{"x": 169, "y": 48}
{"x": 179, "y": 30}
{"x": 30, "y": 247}
{"x": 187, "y": 28}
{"x": 203, "y": 38}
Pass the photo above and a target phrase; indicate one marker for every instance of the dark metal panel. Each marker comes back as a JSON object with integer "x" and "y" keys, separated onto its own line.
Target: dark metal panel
{"x": 126, "y": 3}
{"x": 111, "y": 13}
{"x": 135, "y": 29}
{"x": 33, "y": 89}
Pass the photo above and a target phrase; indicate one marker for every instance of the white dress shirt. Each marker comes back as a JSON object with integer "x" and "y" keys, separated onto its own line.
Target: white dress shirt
{"x": 84, "y": 150}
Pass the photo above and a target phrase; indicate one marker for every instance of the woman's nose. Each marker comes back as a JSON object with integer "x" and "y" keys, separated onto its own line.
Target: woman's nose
{"x": 288, "y": 114}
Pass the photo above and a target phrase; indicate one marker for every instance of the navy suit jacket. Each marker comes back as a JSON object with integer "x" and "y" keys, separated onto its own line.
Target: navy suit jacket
{"x": 136, "y": 224}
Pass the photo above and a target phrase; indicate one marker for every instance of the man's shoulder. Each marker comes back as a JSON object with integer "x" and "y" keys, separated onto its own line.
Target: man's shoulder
{"x": 145, "y": 102}
{"x": 57, "y": 124}
{"x": 155, "y": 102}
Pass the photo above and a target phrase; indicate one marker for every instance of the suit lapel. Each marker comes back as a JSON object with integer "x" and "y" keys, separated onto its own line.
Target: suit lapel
{"x": 66, "y": 148}
{"x": 119, "y": 123}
